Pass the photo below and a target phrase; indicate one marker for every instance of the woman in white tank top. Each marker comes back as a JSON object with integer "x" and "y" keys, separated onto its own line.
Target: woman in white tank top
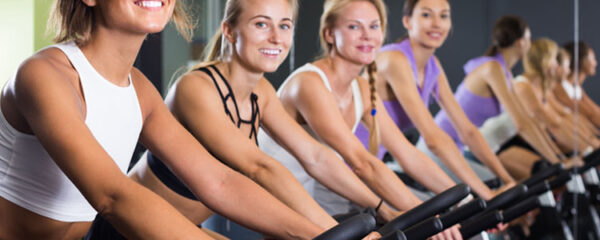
{"x": 229, "y": 92}
{"x": 329, "y": 98}
{"x": 533, "y": 90}
{"x": 569, "y": 92}
{"x": 71, "y": 117}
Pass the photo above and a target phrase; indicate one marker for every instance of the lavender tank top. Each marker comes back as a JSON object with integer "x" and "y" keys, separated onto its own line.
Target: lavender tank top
{"x": 394, "y": 109}
{"x": 477, "y": 108}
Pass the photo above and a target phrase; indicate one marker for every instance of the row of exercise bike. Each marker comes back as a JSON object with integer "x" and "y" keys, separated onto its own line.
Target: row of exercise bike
{"x": 570, "y": 213}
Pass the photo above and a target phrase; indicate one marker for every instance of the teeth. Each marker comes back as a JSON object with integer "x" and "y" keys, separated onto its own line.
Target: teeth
{"x": 149, "y": 4}
{"x": 270, "y": 51}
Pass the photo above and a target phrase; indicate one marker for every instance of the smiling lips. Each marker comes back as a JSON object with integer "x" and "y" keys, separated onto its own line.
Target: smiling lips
{"x": 150, "y": 5}
{"x": 270, "y": 52}
{"x": 435, "y": 35}
{"x": 366, "y": 48}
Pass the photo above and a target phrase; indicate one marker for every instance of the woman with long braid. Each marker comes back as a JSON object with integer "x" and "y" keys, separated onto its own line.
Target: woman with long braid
{"x": 329, "y": 98}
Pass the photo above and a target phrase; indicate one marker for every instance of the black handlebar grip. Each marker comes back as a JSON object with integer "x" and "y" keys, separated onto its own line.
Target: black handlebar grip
{"x": 486, "y": 221}
{"x": 463, "y": 212}
{"x": 543, "y": 174}
{"x": 355, "y": 227}
{"x": 591, "y": 160}
{"x": 397, "y": 235}
{"x": 537, "y": 189}
{"x": 560, "y": 180}
{"x": 520, "y": 209}
{"x": 426, "y": 209}
{"x": 505, "y": 198}
{"x": 425, "y": 229}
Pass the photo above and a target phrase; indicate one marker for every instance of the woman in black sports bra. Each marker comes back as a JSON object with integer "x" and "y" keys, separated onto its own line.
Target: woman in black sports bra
{"x": 223, "y": 101}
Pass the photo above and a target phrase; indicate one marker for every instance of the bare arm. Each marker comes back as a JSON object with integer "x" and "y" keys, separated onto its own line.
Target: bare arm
{"x": 53, "y": 110}
{"x": 307, "y": 93}
{"x": 219, "y": 187}
{"x": 468, "y": 133}
{"x": 493, "y": 75}
{"x": 534, "y": 106}
{"x": 398, "y": 74}
{"x": 196, "y": 95}
{"x": 319, "y": 161}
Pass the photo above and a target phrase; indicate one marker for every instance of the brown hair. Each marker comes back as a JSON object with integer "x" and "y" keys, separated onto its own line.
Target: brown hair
{"x": 217, "y": 50}
{"x": 73, "y": 20}
{"x": 507, "y": 30}
{"x": 331, "y": 11}
{"x": 584, "y": 50}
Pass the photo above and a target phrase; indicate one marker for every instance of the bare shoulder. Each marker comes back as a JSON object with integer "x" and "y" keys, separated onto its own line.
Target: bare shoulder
{"x": 490, "y": 68}
{"x": 391, "y": 59}
{"x": 50, "y": 66}
{"x": 302, "y": 83}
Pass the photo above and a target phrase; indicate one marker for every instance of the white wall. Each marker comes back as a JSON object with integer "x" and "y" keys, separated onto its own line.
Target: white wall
{"x": 16, "y": 35}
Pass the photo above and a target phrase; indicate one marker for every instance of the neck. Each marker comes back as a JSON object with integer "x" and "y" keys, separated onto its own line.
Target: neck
{"x": 581, "y": 76}
{"x": 242, "y": 80}
{"x": 421, "y": 53}
{"x": 511, "y": 57}
{"x": 112, "y": 53}
{"x": 343, "y": 71}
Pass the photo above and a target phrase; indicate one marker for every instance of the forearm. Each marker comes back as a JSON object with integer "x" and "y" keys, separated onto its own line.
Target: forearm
{"x": 151, "y": 218}
{"x": 453, "y": 159}
{"x": 254, "y": 207}
{"x": 333, "y": 173}
{"x": 277, "y": 180}
{"x": 386, "y": 184}
{"x": 540, "y": 141}
{"x": 415, "y": 163}
{"x": 479, "y": 147}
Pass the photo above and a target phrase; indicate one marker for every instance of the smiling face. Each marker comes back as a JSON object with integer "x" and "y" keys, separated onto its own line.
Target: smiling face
{"x": 357, "y": 33}
{"x": 263, "y": 34}
{"x": 429, "y": 23}
{"x": 137, "y": 16}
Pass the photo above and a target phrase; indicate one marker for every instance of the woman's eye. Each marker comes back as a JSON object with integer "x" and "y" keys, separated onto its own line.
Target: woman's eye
{"x": 285, "y": 26}
{"x": 445, "y": 16}
{"x": 375, "y": 26}
{"x": 353, "y": 27}
{"x": 425, "y": 14}
{"x": 261, "y": 24}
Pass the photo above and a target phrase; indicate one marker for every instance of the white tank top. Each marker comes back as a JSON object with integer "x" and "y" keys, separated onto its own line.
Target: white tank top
{"x": 572, "y": 90}
{"x": 270, "y": 147}
{"x": 29, "y": 177}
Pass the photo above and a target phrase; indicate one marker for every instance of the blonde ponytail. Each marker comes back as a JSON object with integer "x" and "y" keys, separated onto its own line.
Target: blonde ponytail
{"x": 374, "y": 131}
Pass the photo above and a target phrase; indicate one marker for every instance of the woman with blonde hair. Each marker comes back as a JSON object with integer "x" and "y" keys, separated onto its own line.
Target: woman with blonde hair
{"x": 534, "y": 91}
{"x": 71, "y": 117}
{"x": 329, "y": 98}
{"x": 223, "y": 101}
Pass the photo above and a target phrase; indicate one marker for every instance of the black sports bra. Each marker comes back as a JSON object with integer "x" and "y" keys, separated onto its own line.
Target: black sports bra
{"x": 226, "y": 97}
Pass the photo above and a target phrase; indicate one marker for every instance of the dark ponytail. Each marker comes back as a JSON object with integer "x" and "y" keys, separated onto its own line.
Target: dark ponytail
{"x": 507, "y": 30}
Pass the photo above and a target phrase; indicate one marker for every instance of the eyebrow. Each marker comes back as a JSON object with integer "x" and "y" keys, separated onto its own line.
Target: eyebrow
{"x": 431, "y": 10}
{"x": 354, "y": 20}
{"x": 269, "y": 18}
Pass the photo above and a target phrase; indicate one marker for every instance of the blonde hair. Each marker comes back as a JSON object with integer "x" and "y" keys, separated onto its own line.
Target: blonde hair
{"x": 218, "y": 50}
{"x": 73, "y": 20}
{"x": 331, "y": 12}
{"x": 539, "y": 56}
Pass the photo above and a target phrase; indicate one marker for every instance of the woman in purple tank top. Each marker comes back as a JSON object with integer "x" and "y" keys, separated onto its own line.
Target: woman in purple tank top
{"x": 409, "y": 74}
{"x": 487, "y": 92}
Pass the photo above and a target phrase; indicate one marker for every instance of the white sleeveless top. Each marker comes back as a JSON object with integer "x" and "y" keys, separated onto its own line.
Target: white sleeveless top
{"x": 29, "y": 177}
{"x": 574, "y": 91}
{"x": 270, "y": 147}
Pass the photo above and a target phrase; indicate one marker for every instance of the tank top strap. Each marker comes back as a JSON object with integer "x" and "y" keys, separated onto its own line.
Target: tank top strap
{"x": 309, "y": 67}
{"x": 358, "y": 103}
